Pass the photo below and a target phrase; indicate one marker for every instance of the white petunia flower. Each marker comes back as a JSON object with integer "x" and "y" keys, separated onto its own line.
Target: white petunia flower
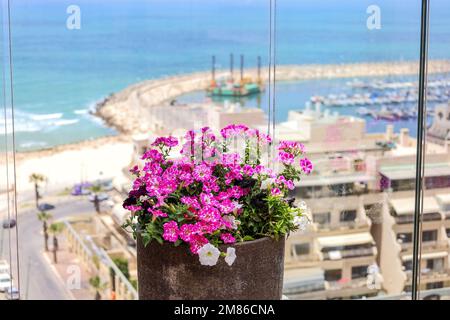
{"x": 208, "y": 255}
{"x": 266, "y": 183}
{"x": 301, "y": 222}
{"x": 302, "y": 206}
{"x": 231, "y": 256}
{"x": 237, "y": 206}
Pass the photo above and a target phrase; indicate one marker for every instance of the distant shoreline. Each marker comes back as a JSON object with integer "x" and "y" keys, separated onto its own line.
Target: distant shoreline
{"x": 68, "y": 164}
{"x": 123, "y": 110}
{"x": 70, "y": 146}
{"x": 132, "y": 100}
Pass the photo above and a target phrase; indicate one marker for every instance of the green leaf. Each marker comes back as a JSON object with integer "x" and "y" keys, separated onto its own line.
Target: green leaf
{"x": 146, "y": 239}
{"x": 159, "y": 239}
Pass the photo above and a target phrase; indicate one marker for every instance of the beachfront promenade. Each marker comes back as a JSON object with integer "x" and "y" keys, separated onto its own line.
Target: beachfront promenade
{"x": 124, "y": 110}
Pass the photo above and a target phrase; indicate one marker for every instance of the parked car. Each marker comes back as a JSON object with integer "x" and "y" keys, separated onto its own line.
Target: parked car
{"x": 5, "y": 282}
{"x": 4, "y": 267}
{"x": 9, "y": 223}
{"x": 81, "y": 189}
{"x": 107, "y": 185}
{"x": 46, "y": 207}
{"x": 12, "y": 294}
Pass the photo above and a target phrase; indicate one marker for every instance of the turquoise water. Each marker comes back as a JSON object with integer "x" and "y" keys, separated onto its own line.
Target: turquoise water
{"x": 59, "y": 74}
{"x": 294, "y": 95}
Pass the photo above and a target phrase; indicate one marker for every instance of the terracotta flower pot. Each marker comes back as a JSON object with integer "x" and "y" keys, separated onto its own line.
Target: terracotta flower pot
{"x": 168, "y": 272}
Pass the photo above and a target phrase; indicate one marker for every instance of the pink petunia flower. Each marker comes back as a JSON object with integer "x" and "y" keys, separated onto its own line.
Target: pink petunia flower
{"x": 170, "y": 231}
{"x": 227, "y": 238}
{"x": 202, "y": 172}
{"x": 197, "y": 241}
{"x": 275, "y": 192}
{"x": 306, "y": 165}
{"x": 191, "y": 202}
{"x": 209, "y": 214}
{"x": 248, "y": 170}
{"x": 233, "y": 130}
{"x": 187, "y": 232}
{"x": 133, "y": 208}
{"x": 166, "y": 141}
{"x": 291, "y": 147}
{"x": 135, "y": 170}
{"x": 207, "y": 199}
{"x": 153, "y": 154}
{"x": 157, "y": 213}
{"x": 286, "y": 157}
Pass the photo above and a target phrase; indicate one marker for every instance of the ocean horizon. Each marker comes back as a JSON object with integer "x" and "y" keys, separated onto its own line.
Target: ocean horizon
{"x": 60, "y": 74}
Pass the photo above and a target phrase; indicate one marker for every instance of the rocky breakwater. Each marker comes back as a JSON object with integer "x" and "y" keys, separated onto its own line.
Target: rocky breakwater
{"x": 127, "y": 110}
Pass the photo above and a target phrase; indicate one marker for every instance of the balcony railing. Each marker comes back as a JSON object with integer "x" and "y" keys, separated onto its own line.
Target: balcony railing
{"x": 405, "y": 219}
{"x": 435, "y": 216}
{"x": 341, "y": 225}
{"x": 349, "y": 284}
{"x": 345, "y": 254}
{"x": 428, "y": 245}
{"x": 430, "y": 274}
{"x": 304, "y": 288}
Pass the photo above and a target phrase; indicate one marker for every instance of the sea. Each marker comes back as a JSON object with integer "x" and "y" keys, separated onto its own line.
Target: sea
{"x": 61, "y": 71}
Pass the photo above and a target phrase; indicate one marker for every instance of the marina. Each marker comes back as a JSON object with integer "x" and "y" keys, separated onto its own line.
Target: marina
{"x": 385, "y": 94}
{"x": 382, "y": 99}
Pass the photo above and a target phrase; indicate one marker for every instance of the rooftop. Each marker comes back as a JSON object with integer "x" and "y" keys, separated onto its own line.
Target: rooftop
{"x": 406, "y": 206}
{"x": 320, "y": 180}
{"x": 293, "y": 277}
{"x": 399, "y": 172}
{"x": 345, "y": 240}
{"x": 443, "y": 198}
{"x": 429, "y": 255}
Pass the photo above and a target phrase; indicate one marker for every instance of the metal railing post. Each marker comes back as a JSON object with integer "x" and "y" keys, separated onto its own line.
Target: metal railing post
{"x": 421, "y": 126}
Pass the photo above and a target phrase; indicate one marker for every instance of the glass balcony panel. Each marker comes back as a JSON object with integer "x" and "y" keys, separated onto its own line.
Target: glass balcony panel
{"x": 435, "y": 273}
{"x": 355, "y": 111}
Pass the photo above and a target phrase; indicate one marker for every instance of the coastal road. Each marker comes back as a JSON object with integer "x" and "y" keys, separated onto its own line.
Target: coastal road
{"x": 37, "y": 280}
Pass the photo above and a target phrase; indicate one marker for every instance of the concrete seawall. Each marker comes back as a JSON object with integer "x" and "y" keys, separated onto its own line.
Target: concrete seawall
{"x": 123, "y": 110}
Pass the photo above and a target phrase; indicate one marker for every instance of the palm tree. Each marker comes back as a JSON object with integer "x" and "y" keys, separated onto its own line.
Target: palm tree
{"x": 96, "y": 189}
{"x": 44, "y": 217}
{"x": 55, "y": 229}
{"x": 37, "y": 178}
{"x": 97, "y": 284}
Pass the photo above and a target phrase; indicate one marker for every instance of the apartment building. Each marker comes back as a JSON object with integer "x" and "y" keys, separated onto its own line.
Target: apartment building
{"x": 336, "y": 258}
{"x": 361, "y": 199}
{"x": 397, "y": 224}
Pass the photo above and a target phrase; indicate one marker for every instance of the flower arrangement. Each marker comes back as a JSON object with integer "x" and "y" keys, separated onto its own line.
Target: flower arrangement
{"x": 211, "y": 196}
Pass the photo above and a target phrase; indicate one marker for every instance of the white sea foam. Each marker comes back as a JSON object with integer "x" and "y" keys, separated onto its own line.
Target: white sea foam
{"x": 65, "y": 122}
{"x": 88, "y": 113}
{"x": 81, "y": 111}
{"x": 32, "y": 144}
{"x": 32, "y": 122}
{"x": 43, "y": 117}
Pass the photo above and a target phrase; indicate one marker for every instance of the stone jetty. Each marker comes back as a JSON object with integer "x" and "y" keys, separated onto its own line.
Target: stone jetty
{"x": 126, "y": 110}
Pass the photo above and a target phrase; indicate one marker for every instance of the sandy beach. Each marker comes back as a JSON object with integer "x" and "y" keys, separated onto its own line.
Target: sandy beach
{"x": 69, "y": 164}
